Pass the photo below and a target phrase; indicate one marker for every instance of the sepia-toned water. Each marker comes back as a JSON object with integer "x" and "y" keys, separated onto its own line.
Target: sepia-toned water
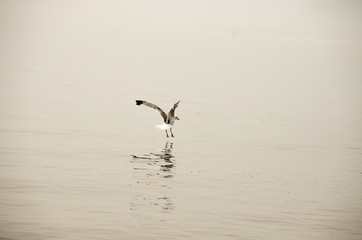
{"x": 269, "y": 142}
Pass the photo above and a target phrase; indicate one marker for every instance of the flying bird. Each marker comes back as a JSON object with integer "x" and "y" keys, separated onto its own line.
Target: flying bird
{"x": 168, "y": 119}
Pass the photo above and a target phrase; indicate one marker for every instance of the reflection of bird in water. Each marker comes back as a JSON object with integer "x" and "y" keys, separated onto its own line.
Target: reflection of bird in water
{"x": 153, "y": 173}
{"x": 168, "y": 119}
{"x": 166, "y": 155}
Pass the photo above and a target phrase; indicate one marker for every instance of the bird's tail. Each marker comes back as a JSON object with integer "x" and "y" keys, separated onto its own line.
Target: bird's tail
{"x": 139, "y": 102}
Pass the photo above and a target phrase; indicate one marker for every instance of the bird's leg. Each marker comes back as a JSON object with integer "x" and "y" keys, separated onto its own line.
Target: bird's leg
{"x": 166, "y": 133}
{"x": 171, "y": 132}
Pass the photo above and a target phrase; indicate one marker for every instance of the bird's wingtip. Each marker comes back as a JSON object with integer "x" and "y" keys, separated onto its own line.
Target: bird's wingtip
{"x": 139, "y": 102}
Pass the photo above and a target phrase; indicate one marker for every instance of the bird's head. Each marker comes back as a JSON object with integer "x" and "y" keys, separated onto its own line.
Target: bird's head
{"x": 177, "y": 118}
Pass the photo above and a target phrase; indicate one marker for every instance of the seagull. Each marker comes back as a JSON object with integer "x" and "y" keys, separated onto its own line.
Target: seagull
{"x": 168, "y": 119}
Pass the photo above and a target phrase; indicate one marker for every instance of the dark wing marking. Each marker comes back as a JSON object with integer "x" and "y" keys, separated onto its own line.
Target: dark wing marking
{"x": 151, "y": 105}
{"x": 172, "y": 110}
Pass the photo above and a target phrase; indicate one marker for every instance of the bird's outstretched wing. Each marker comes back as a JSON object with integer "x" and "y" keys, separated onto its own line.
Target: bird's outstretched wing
{"x": 151, "y": 105}
{"x": 172, "y": 110}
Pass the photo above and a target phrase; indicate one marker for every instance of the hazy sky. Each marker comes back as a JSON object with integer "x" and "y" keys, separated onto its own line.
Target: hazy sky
{"x": 321, "y": 17}
{"x": 199, "y": 40}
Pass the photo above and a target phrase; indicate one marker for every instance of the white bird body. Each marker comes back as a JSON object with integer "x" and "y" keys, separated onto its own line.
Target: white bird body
{"x": 163, "y": 126}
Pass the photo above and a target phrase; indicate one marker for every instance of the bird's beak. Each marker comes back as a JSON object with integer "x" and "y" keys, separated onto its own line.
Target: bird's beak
{"x": 177, "y": 118}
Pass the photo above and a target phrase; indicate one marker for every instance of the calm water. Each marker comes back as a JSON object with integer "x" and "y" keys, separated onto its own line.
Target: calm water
{"x": 269, "y": 145}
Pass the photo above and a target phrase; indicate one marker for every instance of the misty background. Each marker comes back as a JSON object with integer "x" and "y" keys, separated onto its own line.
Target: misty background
{"x": 270, "y": 131}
